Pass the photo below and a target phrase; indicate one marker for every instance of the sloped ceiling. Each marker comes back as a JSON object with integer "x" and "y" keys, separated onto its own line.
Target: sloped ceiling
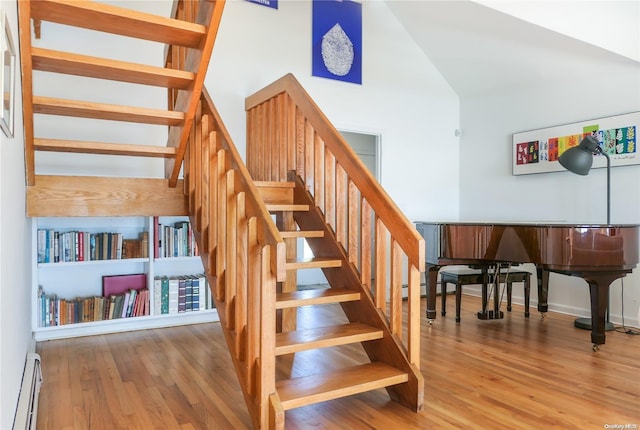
{"x": 479, "y": 49}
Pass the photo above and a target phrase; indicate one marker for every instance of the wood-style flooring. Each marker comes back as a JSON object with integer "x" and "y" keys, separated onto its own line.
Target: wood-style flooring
{"x": 514, "y": 373}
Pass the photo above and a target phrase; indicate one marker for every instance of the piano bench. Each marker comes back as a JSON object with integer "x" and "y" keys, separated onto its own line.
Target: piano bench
{"x": 467, "y": 276}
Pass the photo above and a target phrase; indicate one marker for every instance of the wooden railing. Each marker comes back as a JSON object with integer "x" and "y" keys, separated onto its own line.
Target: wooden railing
{"x": 242, "y": 252}
{"x": 287, "y": 132}
{"x": 191, "y": 59}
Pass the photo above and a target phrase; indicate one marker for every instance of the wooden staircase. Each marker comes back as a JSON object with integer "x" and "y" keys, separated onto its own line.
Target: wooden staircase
{"x": 301, "y": 182}
{"x": 187, "y": 39}
{"x": 363, "y": 327}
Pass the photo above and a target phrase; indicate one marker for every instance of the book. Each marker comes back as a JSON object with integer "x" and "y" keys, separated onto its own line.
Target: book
{"x": 157, "y": 295}
{"x": 195, "y": 293}
{"x": 125, "y": 304}
{"x": 173, "y": 295}
{"x": 164, "y": 295}
{"x": 182, "y": 295}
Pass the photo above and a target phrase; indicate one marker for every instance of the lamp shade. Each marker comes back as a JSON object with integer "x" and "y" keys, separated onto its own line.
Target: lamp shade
{"x": 580, "y": 158}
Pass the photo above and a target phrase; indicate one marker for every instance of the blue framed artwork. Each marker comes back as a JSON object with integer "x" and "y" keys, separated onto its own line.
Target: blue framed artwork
{"x": 268, "y": 3}
{"x": 337, "y": 40}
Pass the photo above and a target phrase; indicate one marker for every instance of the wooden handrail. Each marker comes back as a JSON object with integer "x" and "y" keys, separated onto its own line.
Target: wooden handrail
{"x": 195, "y": 60}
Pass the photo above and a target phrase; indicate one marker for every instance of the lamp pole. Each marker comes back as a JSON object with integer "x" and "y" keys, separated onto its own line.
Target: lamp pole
{"x": 579, "y": 160}
{"x": 608, "y": 185}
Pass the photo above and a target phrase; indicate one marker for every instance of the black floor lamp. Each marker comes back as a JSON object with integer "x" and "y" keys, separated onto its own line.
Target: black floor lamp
{"x": 579, "y": 160}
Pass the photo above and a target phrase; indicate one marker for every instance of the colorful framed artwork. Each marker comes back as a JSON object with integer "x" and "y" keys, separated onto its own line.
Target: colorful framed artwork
{"x": 537, "y": 151}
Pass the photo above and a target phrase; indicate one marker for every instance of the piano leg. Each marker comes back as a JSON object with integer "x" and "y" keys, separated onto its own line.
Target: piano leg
{"x": 599, "y": 300}
{"x": 543, "y": 290}
{"x": 431, "y": 273}
{"x": 599, "y": 283}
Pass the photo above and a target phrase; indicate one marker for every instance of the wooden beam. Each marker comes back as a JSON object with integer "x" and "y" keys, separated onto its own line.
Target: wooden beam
{"x": 24, "y": 27}
{"x": 55, "y": 196}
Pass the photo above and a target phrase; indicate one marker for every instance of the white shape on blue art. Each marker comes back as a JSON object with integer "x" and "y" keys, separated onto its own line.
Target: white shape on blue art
{"x": 337, "y": 51}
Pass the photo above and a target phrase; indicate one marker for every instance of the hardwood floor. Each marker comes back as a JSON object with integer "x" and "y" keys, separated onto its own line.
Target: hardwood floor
{"x": 514, "y": 373}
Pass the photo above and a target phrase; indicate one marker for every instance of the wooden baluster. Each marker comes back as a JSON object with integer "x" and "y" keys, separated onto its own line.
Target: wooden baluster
{"x": 395, "y": 312}
{"x": 381, "y": 265}
{"x": 205, "y": 188}
{"x": 318, "y": 172}
{"x": 222, "y": 225}
{"x": 290, "y": 115}
{"x": 253, "y": 302}
{"x": 280, "y": 133}
{"x": 309, "y": 138}
{"x": 301, "y": 130}
{"x": 413, "y": 320}
{"x": 330, "y": 188}
{"x": 241, "y": 276}
{"x": 268, "y": 327}
{"x": 353, "y": 220}
{"x": 230, "y": 247}
{"x": 196, "y": 138}
{"x": 365, "y": 242}
{"x": 251, "y": 142}
{"x": 273, "y": 156}
{"x": 214, "y": 175}
{"x": 341, "y": 205}
{"x": 186, "y": 174}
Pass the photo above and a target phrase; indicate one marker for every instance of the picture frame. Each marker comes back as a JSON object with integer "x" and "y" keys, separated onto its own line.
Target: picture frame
{"x": 7, "y": 78}
{"x": 537, "y": 151}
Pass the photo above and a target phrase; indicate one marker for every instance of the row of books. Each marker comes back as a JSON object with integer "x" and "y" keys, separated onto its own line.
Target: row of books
{"x": 171, "y": 295}
{"x": 56, "y": 311}
{"x": 178, "y": 294}
{"x": 56, "y": 246}
{"x": 173, "y": 240}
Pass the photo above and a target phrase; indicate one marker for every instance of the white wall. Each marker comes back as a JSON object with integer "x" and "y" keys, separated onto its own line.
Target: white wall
{"x": 488, "y": 191}
{"x": 583, "y": 20}
{"x": 402, "y": 97}
{"x": 15, "y": 254}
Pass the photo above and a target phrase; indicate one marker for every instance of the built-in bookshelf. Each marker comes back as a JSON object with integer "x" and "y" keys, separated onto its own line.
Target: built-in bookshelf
{"x": 75, "y": 259}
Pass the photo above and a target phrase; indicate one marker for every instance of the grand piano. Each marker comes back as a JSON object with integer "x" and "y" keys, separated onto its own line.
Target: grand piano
{"x": 599, "y": 254}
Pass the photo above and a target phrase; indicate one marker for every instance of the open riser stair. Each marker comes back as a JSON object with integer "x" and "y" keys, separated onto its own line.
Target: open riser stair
{"x": 301, "y": 182}
{"x": 186, "y": 38}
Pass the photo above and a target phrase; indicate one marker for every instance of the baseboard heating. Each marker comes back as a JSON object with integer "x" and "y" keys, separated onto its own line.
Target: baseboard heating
{"x": 27, "y": 410}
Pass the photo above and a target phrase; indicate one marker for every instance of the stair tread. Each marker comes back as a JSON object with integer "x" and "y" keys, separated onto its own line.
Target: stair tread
{"x": 298, "y": 392}
{"x": 274, "y": 184}
{"x": 117, "y": 20}
{"x": 287, "y": 207}
{"x": 313, "y": 263}
{"x": 82, "y": 65}
{"x": 302, "y": 233}
{"x": 85, "y": 147}
{"x": 320, "y": 296}
{"x": 323, "y": 337}
{"x": 76, "y": 108}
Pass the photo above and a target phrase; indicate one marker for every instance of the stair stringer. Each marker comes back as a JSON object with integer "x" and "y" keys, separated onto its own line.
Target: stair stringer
{"x": 389, "y": 349}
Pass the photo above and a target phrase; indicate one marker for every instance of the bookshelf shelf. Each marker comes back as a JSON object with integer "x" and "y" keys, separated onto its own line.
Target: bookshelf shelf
{"x": 70, "y": 281}
{"x": 92, "y": 263}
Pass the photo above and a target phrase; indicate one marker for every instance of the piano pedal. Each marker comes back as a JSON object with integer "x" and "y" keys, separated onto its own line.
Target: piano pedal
{"x": 490, "y": 315}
